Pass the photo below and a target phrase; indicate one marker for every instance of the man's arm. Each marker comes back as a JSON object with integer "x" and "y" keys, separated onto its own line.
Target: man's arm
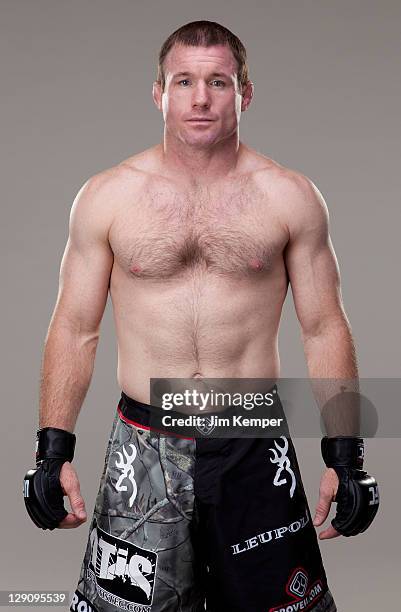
{"x": 73, "y": 333}
{"x": 315, "y": 283}
{"x": 326, "y": 333}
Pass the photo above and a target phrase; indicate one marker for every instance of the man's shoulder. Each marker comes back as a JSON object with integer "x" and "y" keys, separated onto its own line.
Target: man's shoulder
{"x": 105, "y": 193}
{"x": 272, "y": 175}
{"x": 130, "y": 173}
{"x": 295, "y": 197}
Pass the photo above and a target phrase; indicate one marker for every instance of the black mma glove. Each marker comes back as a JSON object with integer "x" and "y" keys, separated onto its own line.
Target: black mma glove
{"x": 357, "y": 496}
{"x": 43, "y": 494}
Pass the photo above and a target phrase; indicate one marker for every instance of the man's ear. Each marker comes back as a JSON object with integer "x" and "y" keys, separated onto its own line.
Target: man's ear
{"x": 247, "y": 95}
{"x": 157, "y": 94}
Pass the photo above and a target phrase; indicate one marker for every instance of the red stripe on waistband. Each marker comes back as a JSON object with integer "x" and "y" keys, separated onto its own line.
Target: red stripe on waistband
{"x": 140, "y": 426}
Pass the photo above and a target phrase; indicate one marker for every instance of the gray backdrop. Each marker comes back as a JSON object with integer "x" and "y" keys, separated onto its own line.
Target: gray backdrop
{"x": 76, "y": 98}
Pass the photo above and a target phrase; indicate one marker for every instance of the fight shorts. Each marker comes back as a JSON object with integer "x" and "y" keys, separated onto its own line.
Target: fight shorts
{"x": 194, "y": 524}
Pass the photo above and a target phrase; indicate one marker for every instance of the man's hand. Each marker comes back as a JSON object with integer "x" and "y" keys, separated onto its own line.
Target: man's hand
{"x": 70, "y": 485}
{"x": 327, "y": 493}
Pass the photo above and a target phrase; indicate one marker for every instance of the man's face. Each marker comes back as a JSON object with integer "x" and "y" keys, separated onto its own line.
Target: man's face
{"x": 201, "y": 102}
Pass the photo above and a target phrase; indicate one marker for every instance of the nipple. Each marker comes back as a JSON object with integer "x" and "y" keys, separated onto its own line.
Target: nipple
{"x": 256, "y": 264}
{"x": 135, "y": 269}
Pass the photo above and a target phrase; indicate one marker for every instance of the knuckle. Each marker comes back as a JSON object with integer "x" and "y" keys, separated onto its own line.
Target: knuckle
{"x": 78, "y": 503}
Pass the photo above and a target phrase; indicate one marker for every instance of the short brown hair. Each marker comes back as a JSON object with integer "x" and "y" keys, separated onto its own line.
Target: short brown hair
{"x": 205, "y": 34}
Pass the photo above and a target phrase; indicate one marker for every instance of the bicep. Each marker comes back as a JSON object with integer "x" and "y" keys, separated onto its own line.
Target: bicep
{"x": 86, "y": 265}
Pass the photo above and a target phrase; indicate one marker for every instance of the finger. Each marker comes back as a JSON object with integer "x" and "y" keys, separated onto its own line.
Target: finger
{"x": 70, "y": 484}
{"x": 322, "y": 509}
{"x": 329, "y": 533}
{"x": 77, "y": 505}
{"x": 71, "y": 521}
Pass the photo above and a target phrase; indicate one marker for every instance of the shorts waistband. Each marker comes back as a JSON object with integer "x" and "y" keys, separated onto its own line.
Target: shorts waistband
{"x": 147, "y": 416}
{"x": 136, "y": 412}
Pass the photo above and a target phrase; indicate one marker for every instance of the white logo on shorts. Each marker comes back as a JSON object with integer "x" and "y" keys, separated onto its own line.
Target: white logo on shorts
{"x": 205, "y": 426}
{"x": 299, "y": 583}
{"x": 283, "y": 464}
{"x": 127, "y": 471}
{"x": 122, "y": 573}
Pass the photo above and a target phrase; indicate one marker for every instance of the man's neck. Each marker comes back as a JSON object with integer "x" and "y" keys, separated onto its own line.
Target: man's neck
{"x": 202, "y": 164}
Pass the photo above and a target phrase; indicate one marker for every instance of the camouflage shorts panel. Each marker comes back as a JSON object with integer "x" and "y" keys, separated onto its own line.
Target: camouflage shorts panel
{"x": 139, "y": 555}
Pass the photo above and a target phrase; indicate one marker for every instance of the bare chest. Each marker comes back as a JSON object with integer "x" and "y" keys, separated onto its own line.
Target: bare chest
{"x": 165, "y": 235}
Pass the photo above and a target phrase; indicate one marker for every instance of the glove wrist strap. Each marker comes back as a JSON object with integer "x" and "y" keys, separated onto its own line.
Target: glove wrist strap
{"x": 343, "y": 451}
{"x": 54, "y": 443}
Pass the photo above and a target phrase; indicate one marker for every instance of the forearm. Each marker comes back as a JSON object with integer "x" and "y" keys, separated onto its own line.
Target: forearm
{"x": 331, "y": 354}
{"x": 66, "y": 372}
{"x": 332, "y": 365}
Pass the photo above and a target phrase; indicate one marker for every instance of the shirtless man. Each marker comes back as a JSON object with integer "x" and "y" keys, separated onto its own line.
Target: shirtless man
{"x": 197, "y": 240}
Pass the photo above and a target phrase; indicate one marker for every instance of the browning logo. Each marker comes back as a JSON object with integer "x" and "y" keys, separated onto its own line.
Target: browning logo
{"x": 283, "y": 465}
{"x": 127, "y": 472}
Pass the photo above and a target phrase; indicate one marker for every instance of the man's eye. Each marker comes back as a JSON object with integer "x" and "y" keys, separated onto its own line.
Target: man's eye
{"x": 184, "y": 82}
{"x": 218, "y": 83}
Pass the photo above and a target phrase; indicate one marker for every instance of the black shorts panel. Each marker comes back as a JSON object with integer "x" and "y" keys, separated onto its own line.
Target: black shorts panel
{"x": 255, "y": 530}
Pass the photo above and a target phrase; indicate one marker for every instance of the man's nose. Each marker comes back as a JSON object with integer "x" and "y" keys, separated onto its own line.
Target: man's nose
{"x": 201, "y": 96}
